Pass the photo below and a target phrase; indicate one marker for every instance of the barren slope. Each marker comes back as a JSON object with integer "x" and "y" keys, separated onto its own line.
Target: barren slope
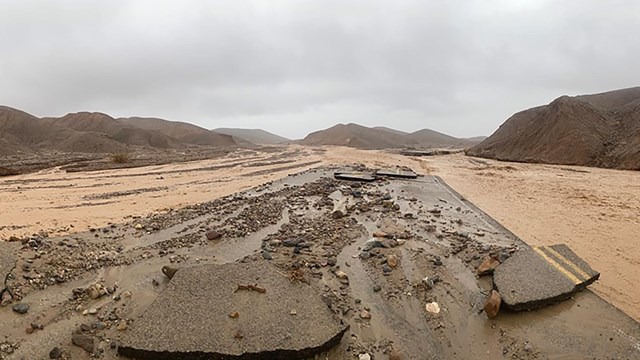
{"x": 99, "y": 123}
{"x": 184, "y": 132}
{"x": 593, "y": 130}
{"x": 357, "y": 136}
{"x": 255, "y": 136}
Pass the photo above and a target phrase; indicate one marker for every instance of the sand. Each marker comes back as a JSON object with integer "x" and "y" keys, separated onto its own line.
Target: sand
{"x": 594, "y": 211}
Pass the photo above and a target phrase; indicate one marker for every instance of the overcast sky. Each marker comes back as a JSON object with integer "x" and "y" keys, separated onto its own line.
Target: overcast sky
{"x": 291, "y": 67}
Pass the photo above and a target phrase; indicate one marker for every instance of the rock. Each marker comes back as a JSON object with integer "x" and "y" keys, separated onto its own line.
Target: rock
{"x": 377, "y": 288}
{"x": 84, "y": 341}
{"x": 294, "y": 312}
{"x": 433, "y": 307}
{"x": 364, "y": 314}
{"x": 266, "y": 255}
{"x": 392, "y": 260}
{"x": 21, "y": 308}
{"x": 364, "y": 356}
{"x": 386, "y": 268}
{"x": 6, "y": 298}
{"x": 364, "y": 255}
{"x": 380, "y": 234}
{"x": 291, "y": 242}
{"x": 234, "y": 315}
{"x": 332, "y": 261}
{"x": 213, "y": 235}
{"x": 169, "y": 271}
{"x": 96, "y": 291}
{"x": 139, "y": 227}
{"x": 122, "y": 326}
{"x": 55, "y": 353}
{"x": 489, "y": 264}
{"x": 492, "y": 305}
{"x": 337, "y": 214}
{"x": 342, "y": 275}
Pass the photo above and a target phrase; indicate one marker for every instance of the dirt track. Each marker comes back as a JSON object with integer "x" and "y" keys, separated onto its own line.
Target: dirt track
{"x": 595, "y": 211}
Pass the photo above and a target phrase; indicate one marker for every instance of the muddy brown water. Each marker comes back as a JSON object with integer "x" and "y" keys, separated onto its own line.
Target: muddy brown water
{"x": 584, "y": 327}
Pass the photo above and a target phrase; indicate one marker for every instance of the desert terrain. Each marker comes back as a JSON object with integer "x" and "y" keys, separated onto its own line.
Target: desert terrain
{"x": 135, "y": 220}
{"x": 595, "y": 211}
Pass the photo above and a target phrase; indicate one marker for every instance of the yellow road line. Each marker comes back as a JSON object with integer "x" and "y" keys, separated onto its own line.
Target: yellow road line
{"x": 573, "y": 266}
{"x": 559, "y": 267}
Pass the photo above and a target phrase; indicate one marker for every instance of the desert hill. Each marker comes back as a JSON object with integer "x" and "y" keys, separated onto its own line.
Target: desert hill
{"x": 362, "y": 137}
{"x": 25, "y": 133}
{"x": 592, "y": 130}
{"x": 255, "y": 136}
{"x": 181, "y": 131}
{"x": 99, "y": 123}
{"x": 354, "y": 135}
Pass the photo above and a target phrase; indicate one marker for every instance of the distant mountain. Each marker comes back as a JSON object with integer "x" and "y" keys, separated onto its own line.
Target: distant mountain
{"x": 21, "y": 132}
{"x": 118, "y": 130}
{"x": 357, "y": 136}
{"x": 592, "y": 130}
{"x": 181, "y": 131}
{"x": 363, "y": 137}
{"x": 255, "y": 136}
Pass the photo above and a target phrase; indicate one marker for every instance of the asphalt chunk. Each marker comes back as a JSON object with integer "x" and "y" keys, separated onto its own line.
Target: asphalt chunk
{"x": 541, "y": 276}
{"x": 190, "y": 319}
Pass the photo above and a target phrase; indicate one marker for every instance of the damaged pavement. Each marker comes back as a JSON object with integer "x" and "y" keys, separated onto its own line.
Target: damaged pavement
{"x": 330, "y": 263}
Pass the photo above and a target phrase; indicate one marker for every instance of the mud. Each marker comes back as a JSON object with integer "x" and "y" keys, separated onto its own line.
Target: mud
{"x": 422, "y": 226}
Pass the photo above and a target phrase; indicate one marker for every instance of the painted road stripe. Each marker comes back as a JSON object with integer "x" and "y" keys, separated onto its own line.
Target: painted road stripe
{"x": 559, "y": 267}
{"x": 572, "y": 266}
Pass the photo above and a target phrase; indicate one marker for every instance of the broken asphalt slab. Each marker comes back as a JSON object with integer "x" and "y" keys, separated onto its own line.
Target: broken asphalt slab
{"x": 233, "y": 311}
{"x": 397, "y": 173}
{"x": 354, "y": 176}
{"x": 540, "y": 276}
{"x": 8, "y": 258}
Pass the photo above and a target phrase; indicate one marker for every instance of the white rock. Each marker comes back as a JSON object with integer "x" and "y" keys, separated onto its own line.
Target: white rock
{"x": 433, "y": 307}
{"x": 364, "y": 357}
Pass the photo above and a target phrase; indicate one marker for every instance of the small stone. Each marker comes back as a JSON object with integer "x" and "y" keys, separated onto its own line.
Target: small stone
{"x": 489, "y": 264}
{"x": 337, "y": 214}
{"x": 291, "y": 242}
{"x": 55, "y": 353}
{"x": 332, "y": 261}
{"x": 386, "y": 268}
{"x": 84, "y": 341}
{"x": 377, "y": 288}
{"x": 169, "y": 271}
{"x": 364, "y": 255}
{"x": 492, "y": 305}
{"x": 122, "y": 326}
{"x": 139, "y": 227}
{"x": 213, "y": 235}
{"x": 234, "y": 315}
{"x": 127, "y": 294}
{"x": 21, "y": 308}
{"x": 342, "y": 275}
{"x": 392, "y": 260}
{"x": 294, "y": 312}
{"x": 364, "y": 314}
{"x": 380, "y": 234}
{"x": 266, "y": 255}
{"x": 364, "y": 356}
{"x": 433, "y": 307}
{"x": 96, "y": 291}
{"x": 6, "y": 298}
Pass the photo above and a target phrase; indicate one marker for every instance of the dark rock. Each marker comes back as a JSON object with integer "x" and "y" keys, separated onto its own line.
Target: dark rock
{"x": 83, "y": 341}
{"x": 332, "y": 261}
{"x": 169, "y": 271}
{"x": 55, "y": 353}
{"x": 377, "y": 288}
{"x": 386, "y": 268}
{"x": 266, "y": 255}
{"x": 291, "y": 242}
{"x": 213, "y": 235}
{"x": 337, "y": 214}
{"x": 21, "y": 308}
{"x": 365, "y": 254}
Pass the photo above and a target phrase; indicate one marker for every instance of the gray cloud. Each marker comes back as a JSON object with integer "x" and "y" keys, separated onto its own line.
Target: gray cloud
{"x": 297, "y": 66}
